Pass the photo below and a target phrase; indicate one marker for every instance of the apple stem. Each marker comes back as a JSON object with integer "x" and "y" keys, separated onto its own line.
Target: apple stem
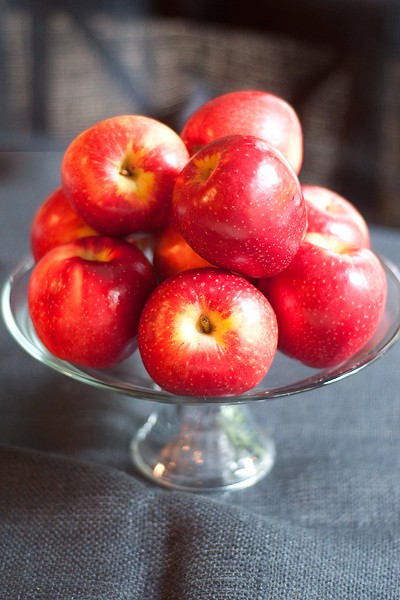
{"x": 205, "y": 324}
{"x": 125, "y": 171}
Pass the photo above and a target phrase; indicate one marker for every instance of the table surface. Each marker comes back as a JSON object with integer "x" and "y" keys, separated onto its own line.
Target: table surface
{"x": 77, "y": 521}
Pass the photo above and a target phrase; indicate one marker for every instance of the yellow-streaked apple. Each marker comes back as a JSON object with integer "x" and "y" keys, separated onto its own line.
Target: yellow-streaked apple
{"x": 207, "y": 332}
{"x": 173, "y": 254}
{"x": 56, "y": 222}
{"x": 238, "y": 203}
{"x": 85, "y": 298}
{"x": 328, "y": 302}
{"x": 247, "y": 112}
{"x": 119, "y": 174}
{"x": 328, "y": 212}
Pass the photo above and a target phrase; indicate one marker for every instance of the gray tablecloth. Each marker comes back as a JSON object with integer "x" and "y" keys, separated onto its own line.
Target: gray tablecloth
{"x": 77, "y": 522}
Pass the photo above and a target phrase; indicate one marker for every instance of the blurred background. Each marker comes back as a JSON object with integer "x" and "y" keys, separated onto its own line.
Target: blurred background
{"x": 65, "y": 64}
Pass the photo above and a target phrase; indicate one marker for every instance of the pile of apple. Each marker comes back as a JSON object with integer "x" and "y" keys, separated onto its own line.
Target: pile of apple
{"x": 201, "y": 250}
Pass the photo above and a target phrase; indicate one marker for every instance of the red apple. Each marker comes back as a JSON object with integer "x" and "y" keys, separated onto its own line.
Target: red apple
{"x": 119, "y": 174}
{"x": 247, "y": 112}
{"x": 328, "y": 302}
{"x": 238, "y": 204}
{"x": 207, "y": 332}
{"x": 328, "y": 212}
{"x": 56, "y": 222}
{"x": 173, "y": 254}
{"x": 85, "y": 299}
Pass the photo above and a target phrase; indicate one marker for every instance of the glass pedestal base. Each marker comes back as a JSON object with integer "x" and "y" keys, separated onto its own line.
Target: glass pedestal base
{"x": 202, "y": 447}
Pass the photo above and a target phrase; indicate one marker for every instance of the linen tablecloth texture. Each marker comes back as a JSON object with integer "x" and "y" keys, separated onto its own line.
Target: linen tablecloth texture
{"x": 76, "y": 521}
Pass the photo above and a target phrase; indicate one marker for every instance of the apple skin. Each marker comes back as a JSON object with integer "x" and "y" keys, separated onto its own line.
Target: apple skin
{"x": 172, "y": 254}
{"x": 183, "y": 358}
{"x": 330, "y": 213}
{"x": 119, "y": 174}
{"x": 328, "y": 302}
{"x": 239, "y": 205}
{"x": 56, "y": 222}
{"x": 247, "y": 112}
{"x": 85, "y": 298}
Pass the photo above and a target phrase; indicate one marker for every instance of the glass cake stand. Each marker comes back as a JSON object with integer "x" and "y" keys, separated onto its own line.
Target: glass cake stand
{"x": 194, "y": 443}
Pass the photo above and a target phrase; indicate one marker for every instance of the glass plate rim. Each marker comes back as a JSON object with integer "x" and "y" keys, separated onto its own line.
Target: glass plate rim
{"x": 91, "y": 377}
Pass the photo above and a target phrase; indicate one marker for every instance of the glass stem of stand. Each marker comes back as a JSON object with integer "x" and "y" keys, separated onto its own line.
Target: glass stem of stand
{"x": 202, "y": 447}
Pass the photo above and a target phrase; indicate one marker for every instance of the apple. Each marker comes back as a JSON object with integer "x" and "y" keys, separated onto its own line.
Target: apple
{"x": 247, "y": 112}
{"x": 207, "y": 332}
{"x": 119, "y": 174}
{"x": 173, "y": 254}
{"x": 328, "y": 212}
{"x": 85, "y": 298}
{"x": 56, "y": 222}
{"x": 328, "y": 302}
{"x": 238, "y": 204}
